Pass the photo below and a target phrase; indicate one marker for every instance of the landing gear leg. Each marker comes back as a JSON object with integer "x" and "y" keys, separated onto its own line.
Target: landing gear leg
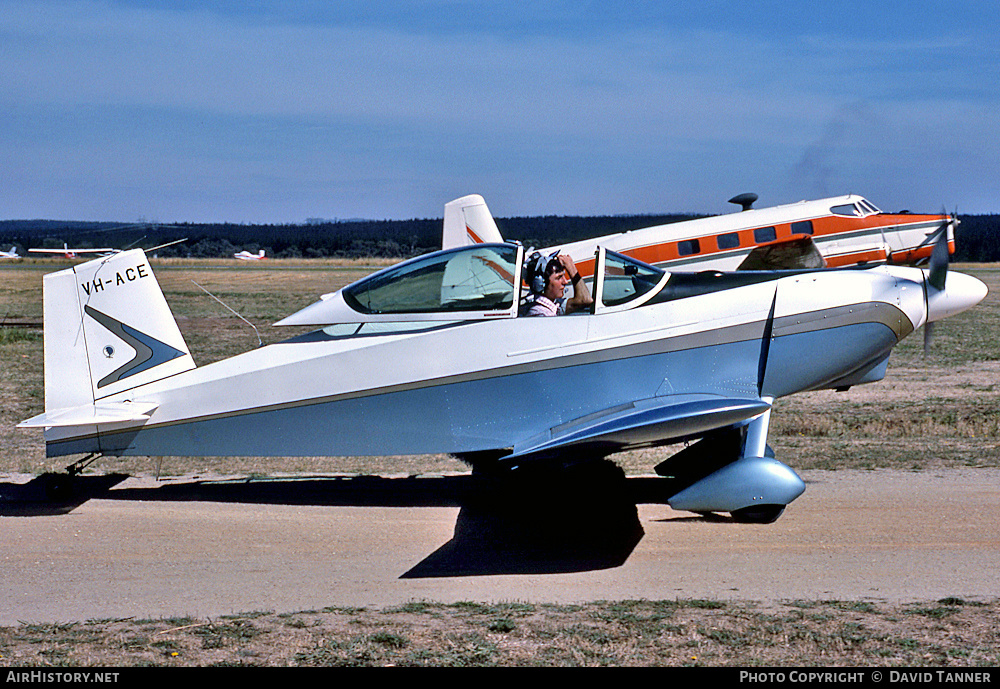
{"x": 755, "y": 445}
{"x": 733, "y": 471}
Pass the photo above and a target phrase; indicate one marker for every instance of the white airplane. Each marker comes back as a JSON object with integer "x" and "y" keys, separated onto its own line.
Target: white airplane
{"x": 10, "y": 254}
{"x": 75, "y": 253}
{"x": 432, "y": 356}
{"x": 839, "y": 231}
{"x": 66, "y": 252}
{"x": 247, "y": 256}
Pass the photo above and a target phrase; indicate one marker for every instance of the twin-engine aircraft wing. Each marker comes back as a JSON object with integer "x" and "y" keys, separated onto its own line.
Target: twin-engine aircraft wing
{"x": 655, "y": 421}
{"x": 785, "y": 254}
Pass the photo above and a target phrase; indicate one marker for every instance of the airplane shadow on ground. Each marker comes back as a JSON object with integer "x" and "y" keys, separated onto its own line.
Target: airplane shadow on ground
{"x": 577, "y": 519}
{"x": 51, "y": 494}
{"x": 541, "y": 521}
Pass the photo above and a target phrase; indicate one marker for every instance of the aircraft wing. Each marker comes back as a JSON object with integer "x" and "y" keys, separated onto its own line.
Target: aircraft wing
{"x": 74, "y": 251}
{"x": 642, "y": 423}
{"x": 798, "y": 251}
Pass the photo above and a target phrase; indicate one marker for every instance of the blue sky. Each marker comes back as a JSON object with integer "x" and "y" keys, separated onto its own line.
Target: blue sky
{"x": 280, "y": 111}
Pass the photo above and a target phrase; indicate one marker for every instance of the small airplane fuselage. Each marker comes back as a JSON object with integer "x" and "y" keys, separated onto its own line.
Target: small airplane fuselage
{"x": 432, "y": 356}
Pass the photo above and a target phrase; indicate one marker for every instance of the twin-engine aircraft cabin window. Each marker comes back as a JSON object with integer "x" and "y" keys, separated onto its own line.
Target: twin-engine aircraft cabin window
{"x": 688, "y": 247}
{"x": 762, "y": 235}
{"x": 473, "y": 278}
{"x": 730, "y": 240}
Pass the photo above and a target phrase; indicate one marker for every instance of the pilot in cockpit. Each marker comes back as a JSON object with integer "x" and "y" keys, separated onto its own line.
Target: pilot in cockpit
{"x": 547, "y": 277}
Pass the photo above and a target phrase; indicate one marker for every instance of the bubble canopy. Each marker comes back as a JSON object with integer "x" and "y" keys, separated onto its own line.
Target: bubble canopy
{"x": 475, "y": 282}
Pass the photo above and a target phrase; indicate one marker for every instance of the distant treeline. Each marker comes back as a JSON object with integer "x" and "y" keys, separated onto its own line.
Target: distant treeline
{"x": 978, "y": 236}
{"x": 977, "y": 239}
{"x": 340, "y": 239}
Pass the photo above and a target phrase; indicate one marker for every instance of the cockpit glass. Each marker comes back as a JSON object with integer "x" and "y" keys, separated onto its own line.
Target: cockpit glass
{"x": 626, "y": 279}
{"x": 846, "y": 209}
{"x": 472, "y": 278}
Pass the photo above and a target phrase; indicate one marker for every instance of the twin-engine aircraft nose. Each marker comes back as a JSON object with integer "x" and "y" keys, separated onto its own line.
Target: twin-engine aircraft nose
{"x": 961, "y": 292}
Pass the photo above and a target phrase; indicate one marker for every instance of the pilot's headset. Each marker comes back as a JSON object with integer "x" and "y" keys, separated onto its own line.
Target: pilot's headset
{"x": 539, "y": 269}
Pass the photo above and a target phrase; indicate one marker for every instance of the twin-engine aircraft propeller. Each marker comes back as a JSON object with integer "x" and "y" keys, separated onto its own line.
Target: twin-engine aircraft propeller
{"x": 937, "y": 275}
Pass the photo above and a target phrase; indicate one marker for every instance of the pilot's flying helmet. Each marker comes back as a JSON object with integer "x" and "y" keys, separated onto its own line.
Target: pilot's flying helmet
{"x": 538, "y": 268}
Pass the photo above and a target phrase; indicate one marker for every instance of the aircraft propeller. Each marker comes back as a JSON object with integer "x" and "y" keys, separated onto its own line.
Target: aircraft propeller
{"x": 963, "y": 291}
{"x": 937, "y": 275}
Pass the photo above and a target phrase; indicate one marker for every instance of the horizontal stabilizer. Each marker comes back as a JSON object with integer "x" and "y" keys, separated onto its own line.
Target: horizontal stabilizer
{"x": 647, "y": 422}
{"x": 92, "y": 414}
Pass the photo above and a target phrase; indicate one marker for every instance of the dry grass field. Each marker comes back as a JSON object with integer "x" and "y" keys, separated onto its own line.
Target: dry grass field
{"x": 932, "y": 411}
{"x": 950, "y": 633}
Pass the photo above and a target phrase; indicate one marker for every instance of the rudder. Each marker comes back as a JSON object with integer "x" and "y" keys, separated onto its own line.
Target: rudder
{"x": 468, "y": 221}
{"x": 108, "y": 329}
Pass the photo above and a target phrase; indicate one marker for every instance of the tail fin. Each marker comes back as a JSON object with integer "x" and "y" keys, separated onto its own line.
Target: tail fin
{"x": 468, "y": 221}
{"x": 108, "y": 329}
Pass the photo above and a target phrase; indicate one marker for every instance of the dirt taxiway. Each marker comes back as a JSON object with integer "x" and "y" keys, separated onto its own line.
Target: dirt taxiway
{"x": 206, "y": 548}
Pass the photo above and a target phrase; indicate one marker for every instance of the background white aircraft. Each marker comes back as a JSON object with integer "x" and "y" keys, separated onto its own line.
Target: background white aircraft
{"x": 247, "y": 256}
{"x": 10, "y": 254}
{"x": 74, "y": 253}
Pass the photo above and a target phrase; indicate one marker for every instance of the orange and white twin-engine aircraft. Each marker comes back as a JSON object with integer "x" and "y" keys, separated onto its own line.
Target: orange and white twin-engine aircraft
{"x": 833, "y": 232}
{"x": 247, "y": 256}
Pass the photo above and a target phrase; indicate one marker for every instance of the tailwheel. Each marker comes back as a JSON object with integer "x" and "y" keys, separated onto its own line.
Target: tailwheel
{"x": 758, "y": 514}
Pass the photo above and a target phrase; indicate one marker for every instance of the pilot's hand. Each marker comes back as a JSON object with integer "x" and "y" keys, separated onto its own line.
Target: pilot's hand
{"x": 568, "y": 264}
